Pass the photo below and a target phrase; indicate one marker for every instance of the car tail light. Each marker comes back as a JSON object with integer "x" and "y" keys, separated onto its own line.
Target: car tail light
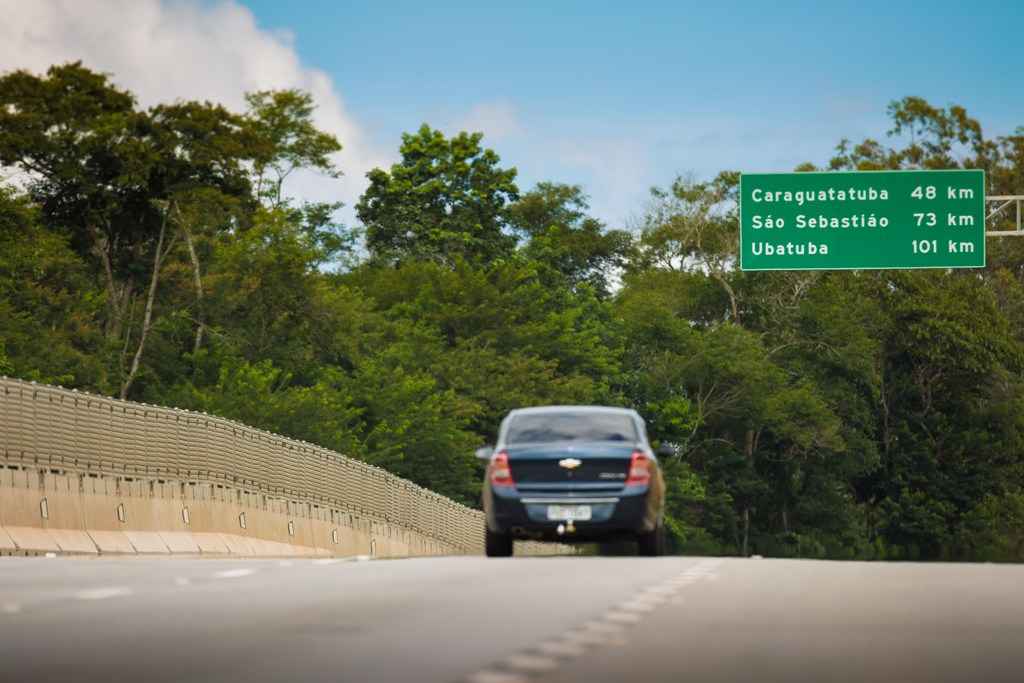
{"x": 501, "y": 472}
{"x": 639, "y": 469}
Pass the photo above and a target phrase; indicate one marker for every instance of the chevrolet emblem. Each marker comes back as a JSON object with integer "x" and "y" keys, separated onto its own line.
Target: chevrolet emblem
{"x": 570, "y": 463}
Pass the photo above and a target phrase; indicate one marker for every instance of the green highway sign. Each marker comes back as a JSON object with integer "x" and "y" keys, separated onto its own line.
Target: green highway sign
{"x": 862, "y": 219}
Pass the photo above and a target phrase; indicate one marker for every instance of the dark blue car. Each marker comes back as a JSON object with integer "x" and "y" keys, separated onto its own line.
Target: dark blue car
{"x": 573, "y": 474}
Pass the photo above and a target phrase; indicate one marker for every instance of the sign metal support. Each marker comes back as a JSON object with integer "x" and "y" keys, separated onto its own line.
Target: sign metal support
{"x": 1005, "y": 201}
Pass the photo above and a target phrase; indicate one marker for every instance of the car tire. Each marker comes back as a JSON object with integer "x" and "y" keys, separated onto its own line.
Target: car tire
{"x": 497, "y": 544}
{"x": 652, "y": 544}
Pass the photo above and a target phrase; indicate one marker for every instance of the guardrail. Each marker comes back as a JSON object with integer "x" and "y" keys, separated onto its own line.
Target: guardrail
{"x": 55, "y": 429}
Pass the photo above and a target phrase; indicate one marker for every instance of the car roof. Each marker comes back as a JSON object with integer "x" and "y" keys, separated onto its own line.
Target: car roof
{"x": 571, "y": 409}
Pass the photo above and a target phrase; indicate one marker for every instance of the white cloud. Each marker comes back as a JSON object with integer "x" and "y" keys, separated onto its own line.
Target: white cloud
{"x": 164, "y": 50}
{"x": 497, "y": 120}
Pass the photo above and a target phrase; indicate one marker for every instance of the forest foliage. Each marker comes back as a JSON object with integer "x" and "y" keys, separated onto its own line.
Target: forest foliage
{"x": 156, "y": 254}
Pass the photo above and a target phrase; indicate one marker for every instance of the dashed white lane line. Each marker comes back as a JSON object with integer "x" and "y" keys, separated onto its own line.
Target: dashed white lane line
{"x": 234, "y": 573}
{"x": 284, "y": 563}
{"x": 103, "y": 593}
{"x": 181, "y": 581}
{"x": 10, "y": 608}
{"x": 608, "y": 631}
{"x": 602, "y": 627}
{"x": 327, "y": 560}
{"x": 533, "y": 663}
{"x": 588, "y": 638}
{"x": 637, "y": 606}
{"x": 683, "y": 581}
{"x": 623, "y": 617}
{"x": 488, "y": 676}
{"x": 561, "y": 648}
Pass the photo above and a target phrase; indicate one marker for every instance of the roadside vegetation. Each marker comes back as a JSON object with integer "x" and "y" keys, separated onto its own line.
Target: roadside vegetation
{"x": 157, "y": 255}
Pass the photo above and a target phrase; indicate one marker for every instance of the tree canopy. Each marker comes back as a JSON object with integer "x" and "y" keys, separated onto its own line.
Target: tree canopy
{"x": 157, "y": 254}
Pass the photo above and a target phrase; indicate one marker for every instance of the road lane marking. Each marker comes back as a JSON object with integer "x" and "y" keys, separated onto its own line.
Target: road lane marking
{"x": 326, "y": 560}
{"x": 284, "y": 563}
{"x": 530, "y": 663}
{"x": 561, "y": 648}
{"x": 181, "y": 581}
{"x": 103, "y": 593}
{"x": 622, "y": 617}
{"x": 488, "y": 676}
{"x": 587, "y": 638}
{"x": 683, "y": 581}
{"x": 608, "y": 631}
{"x": 234, "y": 573}
{"x": 11, "y": 608}
{"x": 603, "y": 627}
{"x": 637, "y": 606}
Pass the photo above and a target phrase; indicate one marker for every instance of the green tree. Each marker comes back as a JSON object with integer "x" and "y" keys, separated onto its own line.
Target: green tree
{"x": 444, "y": 199}
{"x": 571, "y": 247}
{"x": 48, "y": 303}
{"x": 286, "y": 139}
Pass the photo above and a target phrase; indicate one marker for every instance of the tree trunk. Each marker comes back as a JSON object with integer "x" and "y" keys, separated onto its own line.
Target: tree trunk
{"x": 746, "y": 531}
{"x": 147, "y": 318}
{"x": 118, "y": 296}
{"x": 197, "y": 279}
{"x": 734, "y": 307}
{"x": 748, "y": 451}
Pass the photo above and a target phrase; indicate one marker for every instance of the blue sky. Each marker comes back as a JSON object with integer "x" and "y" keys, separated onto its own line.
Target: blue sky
{"x": 620, "y": 96}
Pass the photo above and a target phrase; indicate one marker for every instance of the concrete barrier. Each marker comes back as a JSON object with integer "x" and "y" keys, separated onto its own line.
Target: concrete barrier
{"x": 87, "y": 474}
{"x": 180, "y": 542}
{"x": 112, "y": 541}
{"x": 73, "y": 541}
{"x": 31, "y": 539}
{"x": 7, "y": 544}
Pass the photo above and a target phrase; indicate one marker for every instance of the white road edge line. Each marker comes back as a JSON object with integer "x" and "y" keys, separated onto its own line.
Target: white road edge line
{"x": 103, "y": 593}
{"x": 234, "y": 573}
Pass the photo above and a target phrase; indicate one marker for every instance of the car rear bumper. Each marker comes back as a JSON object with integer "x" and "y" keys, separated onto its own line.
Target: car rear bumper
{"x": 524, "y": 515}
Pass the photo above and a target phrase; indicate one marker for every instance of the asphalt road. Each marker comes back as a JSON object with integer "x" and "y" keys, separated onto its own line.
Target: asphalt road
{"x": 475, "y": 620}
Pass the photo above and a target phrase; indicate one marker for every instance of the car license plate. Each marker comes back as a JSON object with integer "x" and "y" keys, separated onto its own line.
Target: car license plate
{"x": 564, "y": 513}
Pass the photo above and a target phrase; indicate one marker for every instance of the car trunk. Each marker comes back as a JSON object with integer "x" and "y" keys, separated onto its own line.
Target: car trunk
{"x": 603, "y": 466}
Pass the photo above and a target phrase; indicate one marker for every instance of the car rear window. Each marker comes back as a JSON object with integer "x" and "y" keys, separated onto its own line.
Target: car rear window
{"x": 568, "y": 426}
